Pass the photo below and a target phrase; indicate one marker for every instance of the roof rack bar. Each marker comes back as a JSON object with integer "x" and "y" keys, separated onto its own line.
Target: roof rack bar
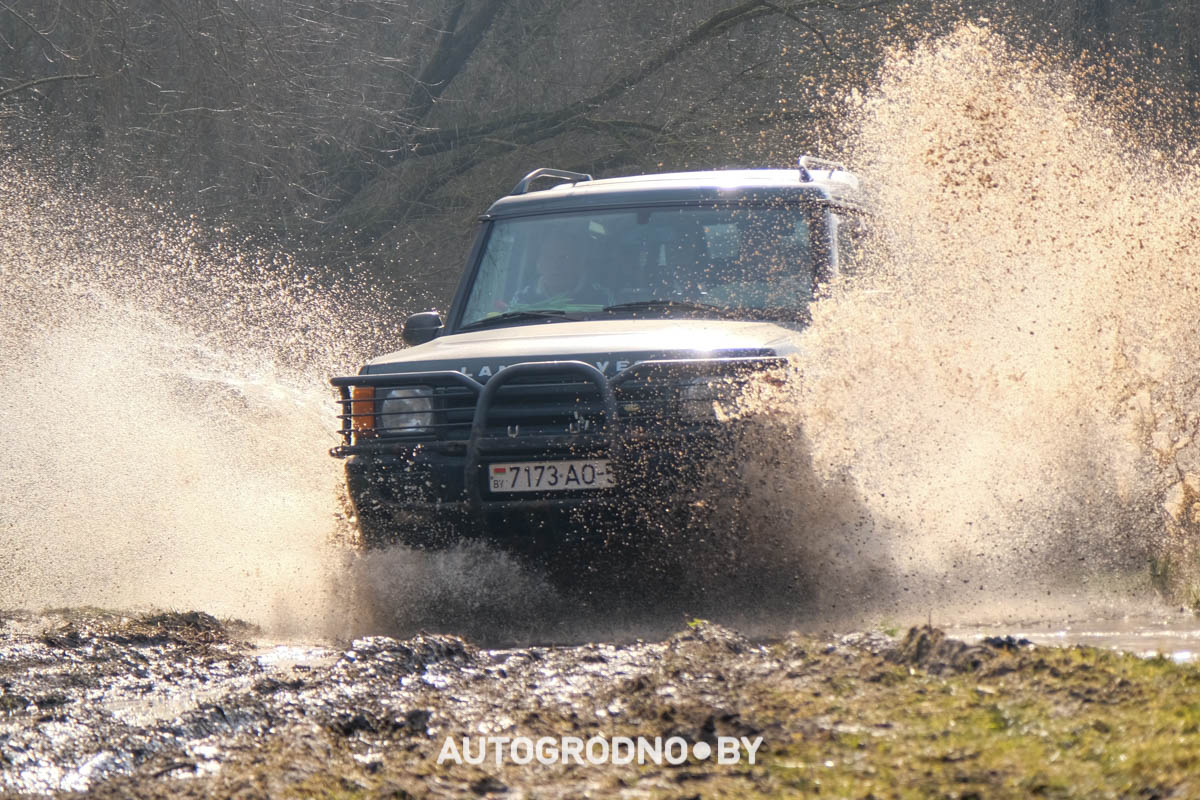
{"x": 809, "y": 163}
{"x": 547, "y": 172}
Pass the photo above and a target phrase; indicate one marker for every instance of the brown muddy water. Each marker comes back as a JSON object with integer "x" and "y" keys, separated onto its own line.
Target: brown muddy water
{"x": 998, "y": 413}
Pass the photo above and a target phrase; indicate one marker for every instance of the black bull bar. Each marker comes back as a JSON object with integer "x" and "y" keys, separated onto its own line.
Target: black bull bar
{"x": 479, "y": 444}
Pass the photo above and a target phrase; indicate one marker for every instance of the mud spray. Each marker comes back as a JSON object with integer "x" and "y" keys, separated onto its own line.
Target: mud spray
{"x": 163, "y": 416}
{"x": 1011, "y": 382}
{"x": 167, "y": 426}
{"x": 1003, "y": 403}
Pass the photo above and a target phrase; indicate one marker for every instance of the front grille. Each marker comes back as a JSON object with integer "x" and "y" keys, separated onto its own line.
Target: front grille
{"x": 650, "y": 395}
{"x": 545, "y": 405}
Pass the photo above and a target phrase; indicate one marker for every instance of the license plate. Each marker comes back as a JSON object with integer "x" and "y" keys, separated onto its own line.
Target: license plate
{"x": 550, "y": 476}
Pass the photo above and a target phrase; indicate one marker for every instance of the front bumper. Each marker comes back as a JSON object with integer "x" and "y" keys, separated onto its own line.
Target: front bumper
{"x": 434, "y": 479}
{"x": 653, "y": 458}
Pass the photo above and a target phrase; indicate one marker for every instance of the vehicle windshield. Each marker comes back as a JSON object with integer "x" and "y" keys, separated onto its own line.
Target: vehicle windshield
{"x": 751, "y": 261}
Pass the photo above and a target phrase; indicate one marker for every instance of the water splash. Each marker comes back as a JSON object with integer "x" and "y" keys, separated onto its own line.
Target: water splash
{"x": 166, "y": 409}
{"x": 1013, "y": 382}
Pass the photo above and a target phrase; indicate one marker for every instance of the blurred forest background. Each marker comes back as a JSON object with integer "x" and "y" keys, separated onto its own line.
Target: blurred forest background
{"x": 372, "y": 132}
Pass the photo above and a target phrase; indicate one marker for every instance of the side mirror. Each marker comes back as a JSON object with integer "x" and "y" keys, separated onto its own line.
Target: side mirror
{"x": 421, "y": 328}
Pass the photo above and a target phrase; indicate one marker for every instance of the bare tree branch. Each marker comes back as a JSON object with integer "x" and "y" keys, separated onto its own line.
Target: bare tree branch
{"x": 454, "y": 50}
{"x": 796, "y": 18}
{"x": 49, "y": 79}
{"x": 36, "y": 31}
{"x": 436, "y": 142}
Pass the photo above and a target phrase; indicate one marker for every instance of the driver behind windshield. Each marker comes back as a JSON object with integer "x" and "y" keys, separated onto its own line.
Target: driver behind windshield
{"x": 561, "y": 278}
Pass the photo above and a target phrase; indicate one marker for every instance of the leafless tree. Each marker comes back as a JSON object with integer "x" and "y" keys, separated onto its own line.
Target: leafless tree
{"x": 374, "y": 130}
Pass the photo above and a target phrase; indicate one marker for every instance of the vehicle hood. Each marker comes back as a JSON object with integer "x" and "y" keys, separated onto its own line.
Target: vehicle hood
{"x": 610, "y": 345}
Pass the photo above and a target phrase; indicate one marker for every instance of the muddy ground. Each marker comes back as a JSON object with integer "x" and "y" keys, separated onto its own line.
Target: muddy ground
{"x": 182, "y": 705}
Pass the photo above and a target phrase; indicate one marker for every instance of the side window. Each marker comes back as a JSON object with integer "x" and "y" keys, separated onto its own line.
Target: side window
{"x": 495, "y": 277}
{"x": 849, "y": 234}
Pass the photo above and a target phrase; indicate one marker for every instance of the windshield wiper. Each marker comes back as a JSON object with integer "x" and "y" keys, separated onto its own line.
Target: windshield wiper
{"x": 508, "y": 316}
{"x": 683, "y": 305}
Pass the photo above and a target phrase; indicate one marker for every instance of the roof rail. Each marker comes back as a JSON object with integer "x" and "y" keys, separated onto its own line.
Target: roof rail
{"x": 809, "y": 163}
{"x": 546, "y": 172}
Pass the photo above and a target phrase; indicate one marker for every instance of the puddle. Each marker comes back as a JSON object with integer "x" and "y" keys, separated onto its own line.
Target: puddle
{"x": 1176, "y": 636}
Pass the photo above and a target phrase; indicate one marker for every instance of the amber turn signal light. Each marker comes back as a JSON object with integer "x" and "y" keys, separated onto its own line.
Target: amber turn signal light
{"x": 362, "y": 408}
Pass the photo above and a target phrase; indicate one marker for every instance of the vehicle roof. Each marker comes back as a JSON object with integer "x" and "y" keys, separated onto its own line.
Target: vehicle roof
{"x": 671, "y": 188}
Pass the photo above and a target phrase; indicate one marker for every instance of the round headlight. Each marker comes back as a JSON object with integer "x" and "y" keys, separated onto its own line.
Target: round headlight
{"x": 407, "y": 409}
